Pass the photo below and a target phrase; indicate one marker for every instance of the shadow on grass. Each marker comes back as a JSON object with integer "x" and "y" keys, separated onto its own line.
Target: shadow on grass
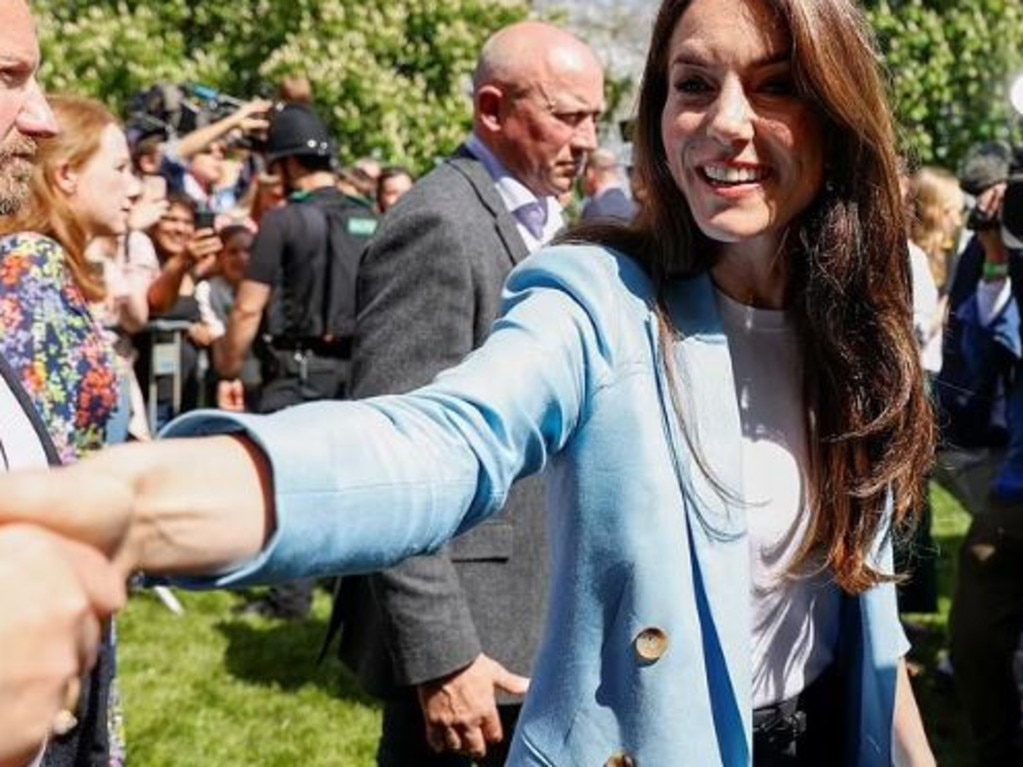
{"x": 934, "y": 686}
{"x": 283, "y": 655}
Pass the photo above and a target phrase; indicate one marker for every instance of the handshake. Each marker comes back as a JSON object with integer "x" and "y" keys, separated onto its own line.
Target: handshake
{"x": 55, "y": 595}
{"x": 69, "y": 538}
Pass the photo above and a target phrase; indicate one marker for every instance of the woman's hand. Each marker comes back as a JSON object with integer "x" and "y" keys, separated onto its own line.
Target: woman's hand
{"x": 251, "y": 116}
{"x": 146, "y": 212}
{"x": 202, "y": 250}
{"x": 201, "y": 334}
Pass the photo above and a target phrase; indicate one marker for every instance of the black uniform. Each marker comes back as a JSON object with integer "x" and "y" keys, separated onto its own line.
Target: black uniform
{"x": 308, "y": 252}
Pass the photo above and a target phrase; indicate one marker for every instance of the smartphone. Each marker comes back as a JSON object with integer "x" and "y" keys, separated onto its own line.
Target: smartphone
{"x": 205, "y": 219}
{"x": 154, "y": 187}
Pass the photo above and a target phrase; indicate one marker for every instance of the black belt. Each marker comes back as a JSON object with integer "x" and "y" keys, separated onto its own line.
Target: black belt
{"x": 783, "y": 721}
{"x": 340, "y": 348}
{"x": 781, "y": 726}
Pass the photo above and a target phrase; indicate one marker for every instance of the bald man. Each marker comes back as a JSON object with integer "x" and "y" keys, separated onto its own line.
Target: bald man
{"x": 448, "y": 640}
{"x": 53, "y": 593}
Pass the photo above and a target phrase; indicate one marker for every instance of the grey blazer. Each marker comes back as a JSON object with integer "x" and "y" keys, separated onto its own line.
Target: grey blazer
{"x": 429, "y": 289}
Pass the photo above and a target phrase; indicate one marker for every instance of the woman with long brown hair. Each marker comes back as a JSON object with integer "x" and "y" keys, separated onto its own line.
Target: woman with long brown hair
{"x": 81, "y": 189}
{"x": 726, "y": 397}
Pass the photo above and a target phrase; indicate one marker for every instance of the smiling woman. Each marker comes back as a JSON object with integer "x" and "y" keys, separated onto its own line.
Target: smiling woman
{"x": 81, "y": 189}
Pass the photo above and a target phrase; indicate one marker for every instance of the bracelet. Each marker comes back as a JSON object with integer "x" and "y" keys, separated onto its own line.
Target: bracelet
{"x": 993, "y": 271}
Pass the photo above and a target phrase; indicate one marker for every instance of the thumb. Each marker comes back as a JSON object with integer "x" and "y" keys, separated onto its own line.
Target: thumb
{"x": 507, "y": 681}
{"x": 103, "y": 583}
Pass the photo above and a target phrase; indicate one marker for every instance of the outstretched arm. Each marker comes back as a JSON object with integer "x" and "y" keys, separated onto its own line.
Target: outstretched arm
{"x": 334, "y": 487}
{"x": 172, "y": 507}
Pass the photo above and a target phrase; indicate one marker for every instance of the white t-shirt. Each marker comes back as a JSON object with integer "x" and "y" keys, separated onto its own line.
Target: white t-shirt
{"x": 926, "y": 307}
{"x": 795, "y": 620}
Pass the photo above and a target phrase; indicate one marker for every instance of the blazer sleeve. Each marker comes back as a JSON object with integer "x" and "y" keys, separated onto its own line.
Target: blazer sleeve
{"x": 360, "y": 486}
{"x": 416, "y": 319}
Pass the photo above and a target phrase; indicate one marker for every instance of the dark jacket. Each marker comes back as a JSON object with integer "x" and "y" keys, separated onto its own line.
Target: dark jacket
{"x": 429, "y": 289}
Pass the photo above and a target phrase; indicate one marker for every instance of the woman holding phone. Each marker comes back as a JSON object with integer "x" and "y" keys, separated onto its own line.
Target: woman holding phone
{"x": 186, "y": 253}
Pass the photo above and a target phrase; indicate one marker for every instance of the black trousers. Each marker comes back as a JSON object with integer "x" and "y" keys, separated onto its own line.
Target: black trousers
{"x": 291, "y": 378}
{"x": 403, "y": 738}
{"x": 985, "y": 625}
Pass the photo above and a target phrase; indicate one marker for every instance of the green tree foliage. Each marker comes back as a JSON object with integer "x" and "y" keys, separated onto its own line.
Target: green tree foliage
{"x": 391, "y": 77}
{"x": 951, "y": 63}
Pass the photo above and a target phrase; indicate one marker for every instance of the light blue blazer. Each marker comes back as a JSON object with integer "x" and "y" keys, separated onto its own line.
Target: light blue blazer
{"x": 646, "y": 652}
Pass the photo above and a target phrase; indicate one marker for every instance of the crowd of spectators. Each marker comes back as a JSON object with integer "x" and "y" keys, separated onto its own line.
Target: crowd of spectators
{"x": 199, "y": 186}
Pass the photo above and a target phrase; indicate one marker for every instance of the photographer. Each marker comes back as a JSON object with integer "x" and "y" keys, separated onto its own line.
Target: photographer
{"x": 198, "y": 164}
{"x": 983, "y": 377}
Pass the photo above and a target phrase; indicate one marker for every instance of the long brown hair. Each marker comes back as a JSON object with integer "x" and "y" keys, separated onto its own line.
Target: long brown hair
{"x": 48, "y": 210}
{"x": 872, "y": 429}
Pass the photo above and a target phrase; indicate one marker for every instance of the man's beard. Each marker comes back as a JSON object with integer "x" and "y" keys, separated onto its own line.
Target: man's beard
{"x": 16, "y": 157}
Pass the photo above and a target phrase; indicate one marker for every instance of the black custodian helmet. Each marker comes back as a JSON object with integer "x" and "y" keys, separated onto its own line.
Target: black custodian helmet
{"x": 296, "y": 129}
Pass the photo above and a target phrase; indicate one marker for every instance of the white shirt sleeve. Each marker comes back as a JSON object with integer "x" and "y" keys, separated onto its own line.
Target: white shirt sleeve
{"x": 207, "y": 316}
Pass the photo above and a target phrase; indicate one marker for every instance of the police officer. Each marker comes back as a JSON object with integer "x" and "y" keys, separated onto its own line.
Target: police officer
{"x": 298, "y": 295}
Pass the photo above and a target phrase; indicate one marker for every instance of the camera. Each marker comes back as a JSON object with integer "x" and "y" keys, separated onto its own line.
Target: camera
{"x": 168, "y": 110}
{"x": 993, "y": 163}
{"x": 1012, "y": 205}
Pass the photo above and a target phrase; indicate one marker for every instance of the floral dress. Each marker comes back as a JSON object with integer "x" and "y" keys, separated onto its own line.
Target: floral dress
{"x": 69, "y": 370}
{"x": 50, "y": 337}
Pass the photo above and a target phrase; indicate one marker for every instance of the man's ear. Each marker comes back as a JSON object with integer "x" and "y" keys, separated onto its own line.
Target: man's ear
{"x": 489, "y": 112}
{"x": 66, "y": 179}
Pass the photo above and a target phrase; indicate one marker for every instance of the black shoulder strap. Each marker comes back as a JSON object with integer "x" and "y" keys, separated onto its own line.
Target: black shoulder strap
{"x": 340, "y": 269}
{"x": 29, "y": 413}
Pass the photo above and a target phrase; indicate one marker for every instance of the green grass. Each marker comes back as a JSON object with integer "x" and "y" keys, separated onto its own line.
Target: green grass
{"x": 210, "y": 688}
{"x": 934, "y": 690}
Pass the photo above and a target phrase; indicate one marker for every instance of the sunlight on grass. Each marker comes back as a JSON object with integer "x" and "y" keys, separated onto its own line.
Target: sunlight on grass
{"x": 934, "y": 689}
{"x": 210, "y": 688}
